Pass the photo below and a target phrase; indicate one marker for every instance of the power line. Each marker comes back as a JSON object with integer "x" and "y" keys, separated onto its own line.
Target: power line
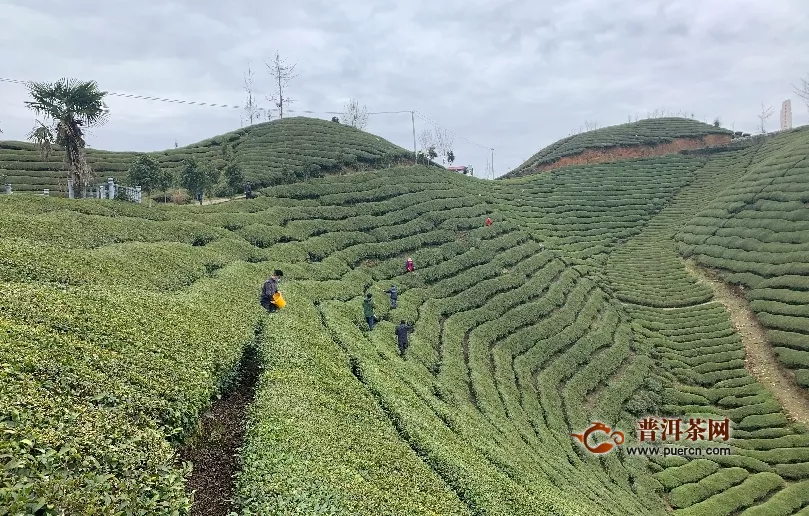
{"x": 428, "y": 120}
{"x": 210, "y": 104}
{"x": 491, "y": 149}
{"x": 143, "y": 97}
{"x": 228, "y": 106}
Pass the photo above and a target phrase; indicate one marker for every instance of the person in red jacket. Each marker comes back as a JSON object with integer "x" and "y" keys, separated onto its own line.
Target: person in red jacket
{"x": 409, "y": 267}
{"x": 488, "y": 221}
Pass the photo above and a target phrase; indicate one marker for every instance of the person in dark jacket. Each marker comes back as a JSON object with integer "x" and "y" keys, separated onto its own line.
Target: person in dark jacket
{"x": 394, "y": 295}
{"x": 268, "y": 290}
{"x": 368, "y": 311}
{"x": 402, "y": 332}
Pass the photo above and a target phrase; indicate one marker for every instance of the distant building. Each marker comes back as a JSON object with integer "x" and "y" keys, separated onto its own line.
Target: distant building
{"x": 786, "y": 115}
{"x": 463, "y": 169}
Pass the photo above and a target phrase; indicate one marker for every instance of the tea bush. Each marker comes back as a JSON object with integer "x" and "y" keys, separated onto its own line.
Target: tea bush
{"x": 118, "y": 323}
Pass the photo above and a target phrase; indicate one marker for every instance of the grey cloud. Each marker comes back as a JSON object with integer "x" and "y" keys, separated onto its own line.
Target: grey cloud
{"x": 511, "y": 75}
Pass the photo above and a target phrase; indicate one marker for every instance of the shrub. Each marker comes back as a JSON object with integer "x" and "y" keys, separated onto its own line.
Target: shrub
{"x": 784, "y": 502}
{"x": 798, "y": 470}
{"x": 180, "y": 197}
{"x": 693, "y": 471}
{"x": 687, "y": 495}
{"x": 738, "y": 497}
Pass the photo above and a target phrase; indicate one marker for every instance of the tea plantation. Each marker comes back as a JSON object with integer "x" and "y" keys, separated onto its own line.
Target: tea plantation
{"x": 757, "y": 233}
{"x": 651, "y": 131}
{"x": 119, "y": 323}
{"x": 266, "y": 152}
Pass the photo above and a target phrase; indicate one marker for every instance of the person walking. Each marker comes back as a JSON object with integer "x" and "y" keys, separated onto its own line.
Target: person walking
{"x": 368, "y": 310}
{"x": 394, "y": 295}
{"x": 409, "y": 267}
{"x": 269, "y": 290}
{"x": 402, "y": 331}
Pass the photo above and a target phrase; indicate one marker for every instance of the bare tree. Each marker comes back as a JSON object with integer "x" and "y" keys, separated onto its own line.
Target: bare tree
{"x": 355, "y": 115}
{"x": 281, "y": 74}
{"x": 590, "y": 126}
{"x": 763, "y": 116}
{"x": 803, "y": 90}
{"x": 427, "y": 142}
{"x": 443, "y": 143}
{"x": 251, "y": 107}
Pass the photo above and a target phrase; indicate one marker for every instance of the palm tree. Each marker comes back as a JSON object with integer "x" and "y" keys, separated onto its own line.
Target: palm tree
{"x": 69, "y": 105}
{"x": 42, "y": 136}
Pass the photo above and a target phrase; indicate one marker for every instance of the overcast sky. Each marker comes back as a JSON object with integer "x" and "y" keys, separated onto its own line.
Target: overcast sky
{"x": 513, "y": 75}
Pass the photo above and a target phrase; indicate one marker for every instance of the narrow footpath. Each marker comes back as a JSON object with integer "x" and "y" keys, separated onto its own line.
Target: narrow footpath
{"x": 214, "y": 452}
{"x": 760, "y": 360}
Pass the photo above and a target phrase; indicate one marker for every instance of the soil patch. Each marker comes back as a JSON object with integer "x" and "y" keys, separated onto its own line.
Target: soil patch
{"x": 760, "y": 359}
{"x": 618, "y": 153}
{"x": 214, "y": 452}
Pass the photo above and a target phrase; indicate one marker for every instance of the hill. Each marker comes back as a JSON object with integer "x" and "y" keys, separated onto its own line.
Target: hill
{"x": 644, "y": 138}
{"x": 268, "y": 153}
{"x": 756, "y": 233}
{"x": 120, "y": 323}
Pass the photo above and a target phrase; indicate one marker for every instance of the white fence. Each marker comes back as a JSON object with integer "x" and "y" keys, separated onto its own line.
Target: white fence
{"x": 109, "y": 190}
{"x": 106, "y": 190}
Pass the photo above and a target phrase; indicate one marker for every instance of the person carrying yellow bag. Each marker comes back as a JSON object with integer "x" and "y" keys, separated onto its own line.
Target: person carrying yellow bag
{"x": 271, "y": 298}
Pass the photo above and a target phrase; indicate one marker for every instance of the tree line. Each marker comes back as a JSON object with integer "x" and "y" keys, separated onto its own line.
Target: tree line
{"x": 219, "y": 176}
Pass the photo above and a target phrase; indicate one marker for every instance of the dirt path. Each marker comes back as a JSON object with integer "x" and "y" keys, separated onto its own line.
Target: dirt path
{"x": 214, "y": 452}
{"x": 220, "y": 200}
{"x": 760, "y": 360}
{"x": 217, "y": 200}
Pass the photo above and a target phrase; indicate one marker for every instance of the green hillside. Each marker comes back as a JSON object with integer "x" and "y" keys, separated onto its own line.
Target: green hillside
{"x": 119, "y": 323}
{"x": 757, "y": 234}
{"x": 651, "y": 131}
{"x": 267, "y": 153}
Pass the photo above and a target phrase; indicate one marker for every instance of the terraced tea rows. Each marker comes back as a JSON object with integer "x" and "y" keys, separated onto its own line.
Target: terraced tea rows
{"x": 589, "y": 210}
{"x": 700, "y": 360}
{"x": 757, "y": 235}
{"x": 120, "y": 322}
{"x": 475, "y": 303}
{"x": 652, "y": 131}
{"x": 267, "y": 153}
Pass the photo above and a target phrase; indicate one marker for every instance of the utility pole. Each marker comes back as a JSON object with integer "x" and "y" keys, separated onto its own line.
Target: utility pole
{"x": 492, "y": 163}
{"x": 413, "y": 121}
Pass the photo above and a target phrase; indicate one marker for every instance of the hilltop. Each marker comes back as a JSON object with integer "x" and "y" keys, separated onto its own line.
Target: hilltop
{"x": 644, "y": 138}
{"x": 268, "y": 153}
{"x": 121, "y": 325}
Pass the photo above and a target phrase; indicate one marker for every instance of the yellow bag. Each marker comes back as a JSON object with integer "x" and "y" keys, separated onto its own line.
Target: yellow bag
{"x": 278, "y": 300}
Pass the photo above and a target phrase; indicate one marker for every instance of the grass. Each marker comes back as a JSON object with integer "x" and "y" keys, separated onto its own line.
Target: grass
{"x": 119, "y": 323}
{"x": 268, "y": 153}
{"x": 651, "y": 131}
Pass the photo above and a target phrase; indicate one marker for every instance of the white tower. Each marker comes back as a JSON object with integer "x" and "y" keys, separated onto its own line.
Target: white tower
{"x": 786, "y": 115}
